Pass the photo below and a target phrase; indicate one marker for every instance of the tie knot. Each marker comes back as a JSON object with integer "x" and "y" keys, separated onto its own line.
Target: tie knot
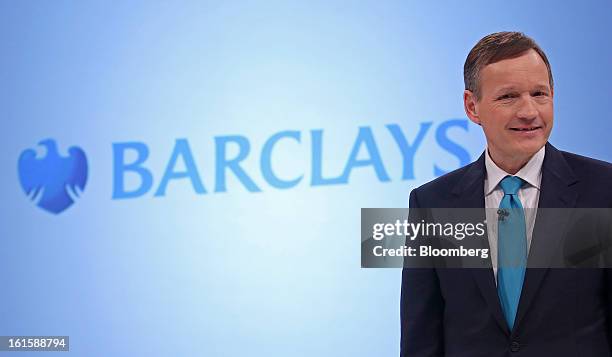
{"x": 511, "y": 184}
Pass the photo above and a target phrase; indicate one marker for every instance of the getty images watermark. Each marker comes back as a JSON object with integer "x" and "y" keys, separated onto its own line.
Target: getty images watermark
{"x": 459, "y": 237}
{"x": 422, "y": 230}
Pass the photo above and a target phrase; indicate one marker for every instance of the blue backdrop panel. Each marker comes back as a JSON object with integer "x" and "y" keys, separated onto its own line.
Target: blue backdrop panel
{"x": 186, "y": 178}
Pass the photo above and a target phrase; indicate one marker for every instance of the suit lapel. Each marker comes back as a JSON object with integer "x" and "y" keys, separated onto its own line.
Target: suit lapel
{"x": 557, "y": 190}
{"x": 469, "y": 193}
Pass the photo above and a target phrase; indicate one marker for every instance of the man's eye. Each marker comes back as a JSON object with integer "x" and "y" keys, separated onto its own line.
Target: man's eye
{"x": 505, "y": 96}
{"x": 539, "y": 94}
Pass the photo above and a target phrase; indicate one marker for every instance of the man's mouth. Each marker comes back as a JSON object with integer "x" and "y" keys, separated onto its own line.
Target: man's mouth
{"x": 531, "y": 128}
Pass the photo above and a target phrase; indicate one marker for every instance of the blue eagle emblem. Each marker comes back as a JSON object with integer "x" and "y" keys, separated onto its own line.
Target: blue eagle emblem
{"x": 53, "y": 181}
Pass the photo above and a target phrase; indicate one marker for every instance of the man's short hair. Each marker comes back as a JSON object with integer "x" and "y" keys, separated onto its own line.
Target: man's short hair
{"x": 494, "y": 48}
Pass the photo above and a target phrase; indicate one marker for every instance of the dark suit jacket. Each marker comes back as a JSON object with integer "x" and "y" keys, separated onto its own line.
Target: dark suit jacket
{"x": 562, "y": 312}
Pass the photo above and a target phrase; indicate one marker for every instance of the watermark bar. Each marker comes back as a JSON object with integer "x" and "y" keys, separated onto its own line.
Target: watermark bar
{"x": 467, "y": 237}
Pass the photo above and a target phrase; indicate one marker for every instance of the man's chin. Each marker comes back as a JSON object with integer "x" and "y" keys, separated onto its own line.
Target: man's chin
{"x": 527, "y": 151}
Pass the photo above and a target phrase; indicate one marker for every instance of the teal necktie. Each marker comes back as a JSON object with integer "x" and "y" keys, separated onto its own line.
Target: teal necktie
{"x": 511, "y": 248}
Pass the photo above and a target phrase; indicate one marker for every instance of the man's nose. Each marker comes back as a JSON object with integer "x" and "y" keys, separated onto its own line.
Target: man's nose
{"x": 527, "y": 108}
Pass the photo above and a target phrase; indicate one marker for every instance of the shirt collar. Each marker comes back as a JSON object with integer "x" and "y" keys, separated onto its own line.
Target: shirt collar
{"x": 531, "y": 172}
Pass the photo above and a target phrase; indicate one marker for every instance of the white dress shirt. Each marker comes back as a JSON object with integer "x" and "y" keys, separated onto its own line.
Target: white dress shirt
{"x": 529, "y": 195}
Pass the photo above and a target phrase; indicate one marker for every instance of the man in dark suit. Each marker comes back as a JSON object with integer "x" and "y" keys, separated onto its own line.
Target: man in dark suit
{"x": 502, "y": 311}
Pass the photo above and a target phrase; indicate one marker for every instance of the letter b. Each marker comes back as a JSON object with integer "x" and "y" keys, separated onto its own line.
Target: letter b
{"x": 120, "y": 168}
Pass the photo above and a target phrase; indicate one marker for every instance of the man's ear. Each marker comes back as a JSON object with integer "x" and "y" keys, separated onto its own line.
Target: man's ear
{"x": 471, "y": 106}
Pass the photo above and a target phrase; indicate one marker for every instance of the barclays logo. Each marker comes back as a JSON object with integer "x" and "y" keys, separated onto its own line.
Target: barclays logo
{"x": 53, "y": 181}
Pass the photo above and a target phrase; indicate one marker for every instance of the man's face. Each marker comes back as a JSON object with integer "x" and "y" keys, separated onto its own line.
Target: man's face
{"x": 515, "y": 108}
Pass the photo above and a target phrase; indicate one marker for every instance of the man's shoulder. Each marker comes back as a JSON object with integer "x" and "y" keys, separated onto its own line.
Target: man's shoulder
{"x": 593, "y": 178}
{"x": 447, "y": 181}
{"x": 587, "y": 166}
{"x": 439, "y": 190}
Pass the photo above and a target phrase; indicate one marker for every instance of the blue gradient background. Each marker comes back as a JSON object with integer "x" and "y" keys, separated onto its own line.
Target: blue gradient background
{"x": 274, "y": 273}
